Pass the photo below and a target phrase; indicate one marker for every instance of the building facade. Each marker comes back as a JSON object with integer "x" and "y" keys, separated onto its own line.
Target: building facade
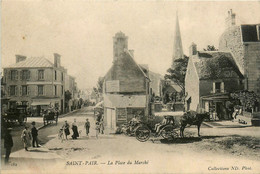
{"x": 210, "y": 77}
{"x": 125, "y": 87}
{"x": 35, "y": 82}
{"x": 243, "y": 42}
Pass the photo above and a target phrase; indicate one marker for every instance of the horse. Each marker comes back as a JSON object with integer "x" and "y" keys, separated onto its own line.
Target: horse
{"x": 192, "y": 118}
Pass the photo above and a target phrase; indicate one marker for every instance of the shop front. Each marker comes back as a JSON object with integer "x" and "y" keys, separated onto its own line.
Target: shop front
{"x": 216, "y": 105}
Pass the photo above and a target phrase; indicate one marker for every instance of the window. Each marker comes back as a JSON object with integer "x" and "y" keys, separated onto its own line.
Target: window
{"x": 14, "y": 75}
{"x": 40, "y": 89}
{"x": 218, "y": 87}
{"x": 61, "y": 90}
{"x": 55, "y": 90}
{"x": 24, "y": 90}
{"x": 12, "y": 90}
{"x": 249, "y": 33}
{"x": 55, "y": 75}
{"x": 40, "y": 74}
{"x": 25, "y": 75}
{"x": 61, "y": 76}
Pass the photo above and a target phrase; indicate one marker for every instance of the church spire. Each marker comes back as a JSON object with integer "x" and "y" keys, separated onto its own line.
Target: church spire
{"x": 177, "y": 46}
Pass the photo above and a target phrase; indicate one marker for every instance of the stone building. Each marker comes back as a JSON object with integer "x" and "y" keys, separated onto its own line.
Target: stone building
{"x": 243, "y": 42}
{"x": 35, "y": 82}
{"x": 210, "y": 77}
{"x": 125, "y": 87}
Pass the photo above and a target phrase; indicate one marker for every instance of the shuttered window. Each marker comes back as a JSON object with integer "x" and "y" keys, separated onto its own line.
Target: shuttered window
{"x": 40, "y": 90}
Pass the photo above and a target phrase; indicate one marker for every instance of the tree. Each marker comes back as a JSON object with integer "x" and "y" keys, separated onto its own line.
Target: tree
{"x": 210, "y": 48}
{"x": 177, "y": 74}
{"x": 248, "y": 99}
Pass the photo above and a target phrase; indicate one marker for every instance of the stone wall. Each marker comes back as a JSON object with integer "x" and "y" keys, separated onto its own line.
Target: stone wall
{"x": 252, "y": 57}
{"x": 231, "y": 41}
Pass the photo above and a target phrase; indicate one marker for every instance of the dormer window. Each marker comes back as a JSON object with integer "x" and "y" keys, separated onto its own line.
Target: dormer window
{"x": 218, "y": 87}
{"x": 250, "y": 33}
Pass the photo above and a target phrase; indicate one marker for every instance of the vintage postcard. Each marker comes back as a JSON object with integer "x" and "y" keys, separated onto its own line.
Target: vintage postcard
{"x": 130, "y": 86}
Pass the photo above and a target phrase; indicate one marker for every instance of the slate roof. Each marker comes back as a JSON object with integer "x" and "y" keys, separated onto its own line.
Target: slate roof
{"x": 32, "y": 63}
{"x": 211, "y": 64}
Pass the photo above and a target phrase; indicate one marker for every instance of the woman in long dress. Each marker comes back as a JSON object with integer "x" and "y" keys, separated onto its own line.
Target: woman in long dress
{"x": 66, "y": 127}
{"x": 75, "y": 130}
{"x": 26, "y": 137}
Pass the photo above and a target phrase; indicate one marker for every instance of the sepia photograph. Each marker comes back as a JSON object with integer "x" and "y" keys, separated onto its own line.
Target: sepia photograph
{"x": 126, "y": 87}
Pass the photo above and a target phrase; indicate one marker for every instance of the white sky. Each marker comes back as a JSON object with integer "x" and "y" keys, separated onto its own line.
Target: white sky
{"x": 82, "y": 31}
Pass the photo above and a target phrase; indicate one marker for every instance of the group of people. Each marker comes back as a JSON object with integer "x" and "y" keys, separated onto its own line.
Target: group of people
{"x": 28, "y": 137}
{"x": 66, "y": 129}
{"x": 99, "y": 127}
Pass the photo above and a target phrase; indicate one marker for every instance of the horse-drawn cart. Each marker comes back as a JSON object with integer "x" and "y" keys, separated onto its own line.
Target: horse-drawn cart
{"x": 167, "y": 129}
{"x": 18, "y": 114}
{"x": 50, "y": 115}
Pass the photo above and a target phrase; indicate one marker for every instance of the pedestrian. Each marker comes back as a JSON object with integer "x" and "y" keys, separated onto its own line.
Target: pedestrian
{"x": 8, "y": 144}
{"x": 66, "y": 128}
{"x": 97, "y": 129}
{"x": 87, "y": 126}
{"x": 34, "y": 132}
{"x": 101, "y": 124}
{"x": 75, "y": 130}
{"x": 26, "y": 137}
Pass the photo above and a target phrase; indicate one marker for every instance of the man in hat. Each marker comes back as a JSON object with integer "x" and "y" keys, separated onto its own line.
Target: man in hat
{"x": 8, "y": 144}
{"x": 34, "y": 132}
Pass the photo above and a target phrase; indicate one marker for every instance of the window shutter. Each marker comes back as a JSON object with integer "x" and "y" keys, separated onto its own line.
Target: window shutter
{"x": 9, "y": 90}
{"x": 28, "y": 90}
{"x": 16, "y": 90}
{"x": 21, "y": 75}
{"x": 43, "y": 90}
{"x": 9, "y": 74}
{"x": 21, "y": 91}
{"x": 36, "y": 90}
{"x": 214, "y": 87}
{"x": 29, "y": 75}
{"x": 222, "y": 87}
{"x": 16, "y": 75}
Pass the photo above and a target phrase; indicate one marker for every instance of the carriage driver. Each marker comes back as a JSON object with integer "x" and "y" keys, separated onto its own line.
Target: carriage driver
{"x": 159, "y": 125}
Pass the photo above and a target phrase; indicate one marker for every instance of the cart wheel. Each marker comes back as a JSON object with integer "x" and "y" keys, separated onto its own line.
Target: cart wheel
{"x": 142, "y": 133}
{"x": 168, "y": 132}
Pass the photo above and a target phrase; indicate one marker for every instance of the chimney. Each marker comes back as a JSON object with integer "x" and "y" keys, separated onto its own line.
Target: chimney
{"x": 56, "y": 60}
{"x": 20, "y": 58}
{"x": 132, "y": 53}
{"x": 231, "y": 19}
{"x": 193, "y": 49}
{"x": 120, "y": 43}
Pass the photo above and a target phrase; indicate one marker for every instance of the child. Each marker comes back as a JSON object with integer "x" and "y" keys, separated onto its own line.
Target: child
{"x": 97, "y": 128}
{"x": 61, "y": 134}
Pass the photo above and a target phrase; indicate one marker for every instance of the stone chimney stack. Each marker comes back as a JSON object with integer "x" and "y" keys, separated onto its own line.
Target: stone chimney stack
{"x": 56, "y": 60}
{"x": 132, "y": 52}
{"x": 120, "y": 43}
{"x": 20, "y": 58}
{"x": 193, "y": 49}
{"x": 231, "y": 19}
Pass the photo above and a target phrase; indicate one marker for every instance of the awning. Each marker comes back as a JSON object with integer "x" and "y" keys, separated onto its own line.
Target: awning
{"x": 99, "y": 105}
{"x": 40, "y": 103}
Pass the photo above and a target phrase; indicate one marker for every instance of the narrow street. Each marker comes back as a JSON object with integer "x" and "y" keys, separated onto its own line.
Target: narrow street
{"x": 119, "y": 153}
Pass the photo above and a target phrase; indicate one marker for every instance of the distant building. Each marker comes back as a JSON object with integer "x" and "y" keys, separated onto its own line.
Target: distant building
{"x": 210, "y": 77}
{"x": 126, "y": 87}
{"x": 36, "y": 82}
{"x": 243, "y": 42}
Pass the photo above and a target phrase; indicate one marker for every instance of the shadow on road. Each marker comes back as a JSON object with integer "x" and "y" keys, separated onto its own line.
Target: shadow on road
{"x": 186, "y": 140}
